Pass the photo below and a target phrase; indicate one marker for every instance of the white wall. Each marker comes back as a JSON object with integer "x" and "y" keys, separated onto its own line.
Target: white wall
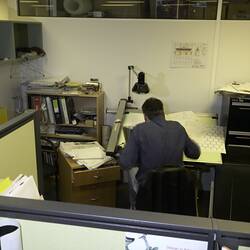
{"x": 103, "y": 48}
{"x": 84, "y": 48}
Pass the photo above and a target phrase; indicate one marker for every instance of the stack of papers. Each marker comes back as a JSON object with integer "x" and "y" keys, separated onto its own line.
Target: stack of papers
{"x": 49, "y": 82}
{"x": 236, "y": 87}
{"x": 88, "y": 154}
{"x": 23, "y": 187}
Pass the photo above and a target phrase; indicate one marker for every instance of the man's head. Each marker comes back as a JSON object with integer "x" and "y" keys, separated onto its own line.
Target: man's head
{"x": 152, "y": 107}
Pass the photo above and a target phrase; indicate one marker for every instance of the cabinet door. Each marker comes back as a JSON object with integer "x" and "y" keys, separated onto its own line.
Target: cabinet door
{"x": 231, "y": 197}
{"x": 7, "y": 47}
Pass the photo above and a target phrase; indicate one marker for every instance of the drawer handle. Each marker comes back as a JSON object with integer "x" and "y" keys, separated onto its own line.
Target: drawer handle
{"x": 96, "y": 176}
{"x": 243, "y": 138}
{"x": 93, "y": 199}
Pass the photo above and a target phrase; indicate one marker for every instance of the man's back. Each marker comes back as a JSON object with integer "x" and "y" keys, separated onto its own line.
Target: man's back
{"x": 156, "y": 143}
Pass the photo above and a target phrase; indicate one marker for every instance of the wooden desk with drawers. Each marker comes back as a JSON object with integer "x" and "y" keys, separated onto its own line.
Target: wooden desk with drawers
{"x": 80, "y": 185}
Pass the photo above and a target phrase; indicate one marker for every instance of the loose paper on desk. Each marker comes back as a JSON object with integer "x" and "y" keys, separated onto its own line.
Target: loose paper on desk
{"x": 135, "y": 241}
{"x": 23, "y": 187}
{"x": 89, "y": 154}
{"x": 235, "y": 87}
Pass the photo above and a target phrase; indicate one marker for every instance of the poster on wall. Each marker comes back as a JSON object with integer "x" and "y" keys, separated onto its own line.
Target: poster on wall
{"x": 189, "y": 55}
{"x": 136, "y": 241}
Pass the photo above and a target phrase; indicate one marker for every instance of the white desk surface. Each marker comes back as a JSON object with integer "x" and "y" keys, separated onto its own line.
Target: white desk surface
{"x": 200, "y": 127}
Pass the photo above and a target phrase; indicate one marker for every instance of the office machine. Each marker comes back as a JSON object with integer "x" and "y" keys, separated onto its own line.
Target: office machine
{"x": 238, "y": 129}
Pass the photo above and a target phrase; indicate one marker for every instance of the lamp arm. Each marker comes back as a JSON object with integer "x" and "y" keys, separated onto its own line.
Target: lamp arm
{"x": 130, "y": 67}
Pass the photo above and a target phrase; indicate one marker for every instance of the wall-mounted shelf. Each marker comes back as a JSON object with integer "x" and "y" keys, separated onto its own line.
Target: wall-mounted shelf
{"x": 17, "y": 38}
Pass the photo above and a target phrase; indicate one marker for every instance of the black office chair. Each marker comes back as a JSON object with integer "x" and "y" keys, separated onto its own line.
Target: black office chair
{"x": 168, "y": 189}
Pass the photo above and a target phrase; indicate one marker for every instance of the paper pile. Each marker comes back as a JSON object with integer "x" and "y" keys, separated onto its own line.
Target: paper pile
{"x": 23, "y": 187}
{"x": 88, "y": 154}
{"x": 49, "y": 82}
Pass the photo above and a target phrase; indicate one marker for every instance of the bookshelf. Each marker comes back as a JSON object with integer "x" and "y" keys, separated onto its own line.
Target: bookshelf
{"x": 68, "y": 115}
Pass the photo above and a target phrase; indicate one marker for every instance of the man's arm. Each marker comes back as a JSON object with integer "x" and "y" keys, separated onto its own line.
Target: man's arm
{"x": 192, "y": 149}
{"x": 129, "y": 155}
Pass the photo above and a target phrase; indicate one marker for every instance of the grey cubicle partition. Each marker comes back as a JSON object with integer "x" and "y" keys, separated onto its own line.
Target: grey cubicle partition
{"x": 20, "y": 147}
{"x": 232, "y": 234}
{"x": 123, "y": 220}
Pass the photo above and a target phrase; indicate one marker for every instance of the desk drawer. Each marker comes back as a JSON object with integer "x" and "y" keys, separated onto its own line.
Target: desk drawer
{"x": 103, "y": 194}
{"x": 89, "y": 177}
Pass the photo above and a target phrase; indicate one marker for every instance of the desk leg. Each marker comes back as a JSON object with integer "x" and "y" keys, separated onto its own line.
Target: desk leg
{"x": 211, "y": 197}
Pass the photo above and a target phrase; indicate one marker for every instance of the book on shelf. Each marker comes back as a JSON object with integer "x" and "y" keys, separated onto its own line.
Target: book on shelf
{"x": 36, "y": 102}
{"x": 54, "y": 109}
{"x": 64, "y": 110}
{"x": 71, "y": 109}
{"x": 57, "y": 111}
{"x": 50, "y": 110}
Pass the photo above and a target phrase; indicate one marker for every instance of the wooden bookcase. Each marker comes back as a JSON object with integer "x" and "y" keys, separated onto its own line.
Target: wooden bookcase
{"x": 92, "y": 103}
{"x": 83, "y": 103}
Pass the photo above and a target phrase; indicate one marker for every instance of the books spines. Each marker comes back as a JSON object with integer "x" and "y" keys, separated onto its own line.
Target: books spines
{"x": 54, "y": 109}
{"x": 50, "y": 110}
{"x": 64, "y": 111}
{"x": 57, "y": 111}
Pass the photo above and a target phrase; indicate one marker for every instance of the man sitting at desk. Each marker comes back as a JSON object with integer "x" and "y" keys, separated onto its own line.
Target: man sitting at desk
{"x": 156, "y": 142}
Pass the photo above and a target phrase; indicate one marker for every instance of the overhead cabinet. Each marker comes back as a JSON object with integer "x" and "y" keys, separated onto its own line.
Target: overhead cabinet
{"x": 19, "y": 39}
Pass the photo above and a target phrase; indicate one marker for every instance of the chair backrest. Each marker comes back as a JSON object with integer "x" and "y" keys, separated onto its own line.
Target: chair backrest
{"x": 168, "y": 189}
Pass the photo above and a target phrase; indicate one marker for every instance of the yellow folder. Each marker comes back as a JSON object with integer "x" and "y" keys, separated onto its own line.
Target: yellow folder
{"x": 3, "y": 115}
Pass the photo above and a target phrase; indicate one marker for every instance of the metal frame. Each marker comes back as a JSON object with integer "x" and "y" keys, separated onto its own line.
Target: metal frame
{"x": 187, "y": 227}
{"x": 111, "y": 147}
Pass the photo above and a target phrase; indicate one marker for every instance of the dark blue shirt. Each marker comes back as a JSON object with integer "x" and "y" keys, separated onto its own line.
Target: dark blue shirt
{"x": 156, "y": 143}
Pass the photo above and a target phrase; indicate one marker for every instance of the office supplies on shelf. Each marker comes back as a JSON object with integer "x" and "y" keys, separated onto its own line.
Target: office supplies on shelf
{"x": 61, "y": 129}
{"x": 66, "y": 108}
{"x": 49, "y": 82}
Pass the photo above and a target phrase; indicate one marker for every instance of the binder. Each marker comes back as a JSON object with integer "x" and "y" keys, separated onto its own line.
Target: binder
{"x": 50, "y": 110}
{"x": 44, "y": 111}
{"x": 64, "y": 111}
{"x": 70, "y": 108}
{"x": 36, "y": 102}
{"x": 57, "y": 112}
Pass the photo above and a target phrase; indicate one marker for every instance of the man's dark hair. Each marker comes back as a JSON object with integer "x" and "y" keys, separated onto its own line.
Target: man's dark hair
{"x": 152, "y": 107}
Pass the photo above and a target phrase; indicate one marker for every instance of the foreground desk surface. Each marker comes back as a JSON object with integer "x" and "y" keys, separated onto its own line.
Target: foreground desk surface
{"x": 196, "y": 125}
{"x": 80, "y": 185}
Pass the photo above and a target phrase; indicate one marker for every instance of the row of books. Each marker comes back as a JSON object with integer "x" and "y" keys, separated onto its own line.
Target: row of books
{"x": 53, "y": 109}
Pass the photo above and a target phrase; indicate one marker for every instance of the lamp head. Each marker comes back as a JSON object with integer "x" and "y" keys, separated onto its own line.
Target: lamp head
{"x": 141, "y": 86}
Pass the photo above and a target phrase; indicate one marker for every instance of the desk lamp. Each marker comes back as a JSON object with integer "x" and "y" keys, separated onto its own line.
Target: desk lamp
{"x": 140, "y": 87}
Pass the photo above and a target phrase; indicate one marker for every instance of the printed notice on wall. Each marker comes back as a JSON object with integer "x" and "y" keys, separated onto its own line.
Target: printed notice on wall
{"x": 135, "y": 241}
{"x": 189, "y": 55}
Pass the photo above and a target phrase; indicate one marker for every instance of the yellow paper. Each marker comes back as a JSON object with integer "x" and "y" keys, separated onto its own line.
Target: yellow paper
{"x": 4, "y": 184}
{"x": 3, "y": 115}
{"x": 73, "y": 84}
